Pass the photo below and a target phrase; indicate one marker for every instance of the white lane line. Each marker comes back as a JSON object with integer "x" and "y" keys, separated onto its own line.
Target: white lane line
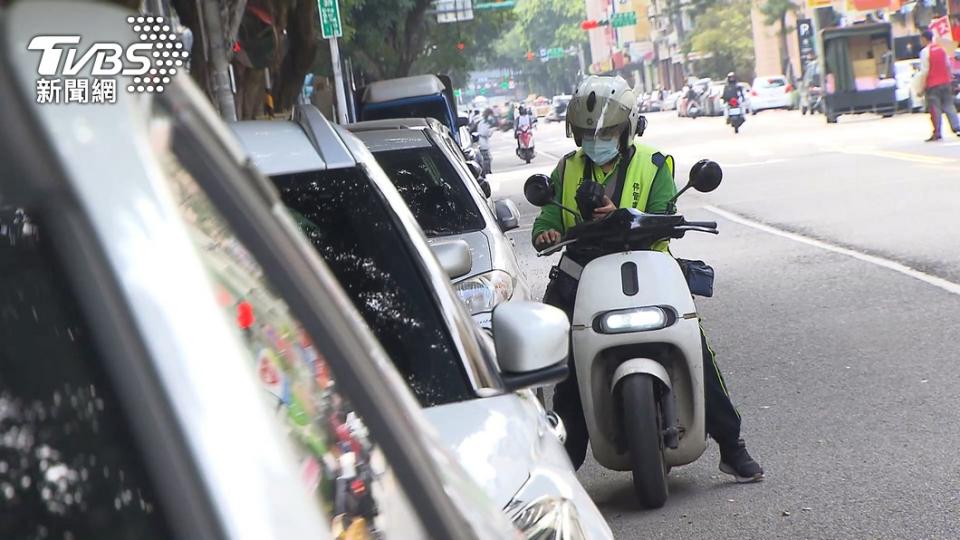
{"x": 929, "y": 279}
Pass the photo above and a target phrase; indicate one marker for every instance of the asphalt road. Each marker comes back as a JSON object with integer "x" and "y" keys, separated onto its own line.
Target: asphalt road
{"x": 835, "y": 319}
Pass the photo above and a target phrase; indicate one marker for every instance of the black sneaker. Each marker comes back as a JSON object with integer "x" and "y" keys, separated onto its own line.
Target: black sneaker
{"x": 736, "y": 462}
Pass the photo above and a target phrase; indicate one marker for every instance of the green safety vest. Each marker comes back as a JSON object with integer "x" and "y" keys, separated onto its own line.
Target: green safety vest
{"x": 641, "y": 171}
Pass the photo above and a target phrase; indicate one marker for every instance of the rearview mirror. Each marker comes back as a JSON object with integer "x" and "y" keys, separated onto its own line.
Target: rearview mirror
{"x": 705, "y": 175}
{"x": 454, "y": 257}
{"x": 532, "y": 342}
{"x": 508, "y": 215}
{"x": 537, "y": 190}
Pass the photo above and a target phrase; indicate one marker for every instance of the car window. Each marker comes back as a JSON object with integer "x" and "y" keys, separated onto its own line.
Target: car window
{"x": 430, "y": 107}
{"x": 436, "y": 194}
{"x": 339, "y": 460}
{"x": 68, "y": 464}
{"x": 348, "y": 222}
{"x": 772, "y": 82}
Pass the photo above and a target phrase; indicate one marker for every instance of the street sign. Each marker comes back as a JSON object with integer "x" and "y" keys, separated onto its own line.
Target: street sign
{"x": 805, "y": 40}
{"x": 495, "y": 5}
{"x": 330, "y": 26}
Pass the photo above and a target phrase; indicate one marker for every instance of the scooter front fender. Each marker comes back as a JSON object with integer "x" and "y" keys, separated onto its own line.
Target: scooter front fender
{"x": 636, "y": 366}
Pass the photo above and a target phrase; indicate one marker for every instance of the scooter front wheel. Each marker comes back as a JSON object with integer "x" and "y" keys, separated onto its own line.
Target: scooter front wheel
{"x": 642, "y": 425}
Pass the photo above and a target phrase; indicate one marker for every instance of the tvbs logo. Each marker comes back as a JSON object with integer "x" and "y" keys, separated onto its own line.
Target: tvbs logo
{"x": 149, "y": 63}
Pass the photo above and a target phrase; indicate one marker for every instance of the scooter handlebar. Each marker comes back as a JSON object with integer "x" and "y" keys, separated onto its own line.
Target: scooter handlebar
{"x": 702, "y": 224}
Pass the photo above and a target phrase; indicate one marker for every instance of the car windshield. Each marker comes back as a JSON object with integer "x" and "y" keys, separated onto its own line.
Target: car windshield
{"x": 349, "y": 223}
{"x": 437, "y": 195}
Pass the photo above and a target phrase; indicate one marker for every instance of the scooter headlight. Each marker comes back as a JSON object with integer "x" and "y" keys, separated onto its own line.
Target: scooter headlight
{"x": 551, "y": 518}
{"x": 642, "y": 319}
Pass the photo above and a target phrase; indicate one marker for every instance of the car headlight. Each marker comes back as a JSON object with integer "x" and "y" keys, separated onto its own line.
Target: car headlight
{"x": 640, "y": 319}
{"x": 485, "y": 291}
{"x": 546, "y": 518}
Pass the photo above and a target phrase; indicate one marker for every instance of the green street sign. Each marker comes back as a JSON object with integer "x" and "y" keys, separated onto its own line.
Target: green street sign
{"x": 456, "y": 92}
{"x": 330, "y": 26}
{"x": 624, "y": 18}
{"x": 505, "y": 85}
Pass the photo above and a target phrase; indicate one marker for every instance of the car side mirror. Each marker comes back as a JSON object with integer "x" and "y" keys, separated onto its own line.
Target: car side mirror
{"x": 475, "y": 168}
{"x": 532, "y": 341}
{"x": 538, "y": 190}
{"x": 705, "y": 176}
{"x": 462, "y": 121}
{"x": 508, "y": 215}
{"x": 454, "y": 256}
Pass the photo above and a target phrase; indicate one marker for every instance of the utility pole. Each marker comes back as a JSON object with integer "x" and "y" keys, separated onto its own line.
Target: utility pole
{"x": 218, "y": 66}
{"x": 338, "y": 81}
{"x": 331, "y": 27}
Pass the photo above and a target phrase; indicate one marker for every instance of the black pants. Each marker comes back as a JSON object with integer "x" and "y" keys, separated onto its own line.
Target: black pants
{"x": 723, "y": 420}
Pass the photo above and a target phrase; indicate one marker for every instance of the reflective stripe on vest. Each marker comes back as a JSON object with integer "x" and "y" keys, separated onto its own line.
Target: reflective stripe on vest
{"x": 639, "y": 179}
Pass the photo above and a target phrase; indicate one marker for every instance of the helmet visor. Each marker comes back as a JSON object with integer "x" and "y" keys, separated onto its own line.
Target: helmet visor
{"x": 600, "y": 132}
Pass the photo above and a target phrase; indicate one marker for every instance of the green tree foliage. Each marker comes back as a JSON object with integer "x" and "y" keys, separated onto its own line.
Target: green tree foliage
{"x": 723, "y": 33}
{"x": 774, "y": 12}
{"x": 396, "y": 38}
{"x": 542, "y": 24}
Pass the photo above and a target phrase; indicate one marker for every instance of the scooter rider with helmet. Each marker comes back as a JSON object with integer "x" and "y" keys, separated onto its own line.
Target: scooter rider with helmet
{"x": 603, "y": 119}
{"x": 732, "y": 89}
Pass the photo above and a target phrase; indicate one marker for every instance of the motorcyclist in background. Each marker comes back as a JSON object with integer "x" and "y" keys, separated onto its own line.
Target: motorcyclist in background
{"x": 603, "y": 119}
{"x": 732, "y": 89}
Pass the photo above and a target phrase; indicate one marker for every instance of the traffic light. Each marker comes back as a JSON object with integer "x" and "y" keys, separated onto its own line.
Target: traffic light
{"x": 530, "y": 56}
{"x": 590, "y": 24}
{"x": 461, "y": 46}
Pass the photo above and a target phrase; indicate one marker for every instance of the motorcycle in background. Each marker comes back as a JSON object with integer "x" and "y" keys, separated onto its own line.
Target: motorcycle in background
{"x": 735, "y": 114}
{"x": 635, "y": 336}
{"x": 525, "y": 150}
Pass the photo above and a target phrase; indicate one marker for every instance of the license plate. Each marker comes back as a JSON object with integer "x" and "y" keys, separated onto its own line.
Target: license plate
{"x": 734, "y": 111}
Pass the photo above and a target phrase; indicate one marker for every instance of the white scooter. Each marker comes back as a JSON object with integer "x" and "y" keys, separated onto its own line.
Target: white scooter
{"x": 636, "y": 338}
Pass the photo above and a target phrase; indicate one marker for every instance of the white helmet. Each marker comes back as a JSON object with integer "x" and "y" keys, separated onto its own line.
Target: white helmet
{"x": 603, "y": 106}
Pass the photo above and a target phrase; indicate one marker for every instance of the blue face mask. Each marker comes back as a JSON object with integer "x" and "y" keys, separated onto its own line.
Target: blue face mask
{"x": 601, "y": 151}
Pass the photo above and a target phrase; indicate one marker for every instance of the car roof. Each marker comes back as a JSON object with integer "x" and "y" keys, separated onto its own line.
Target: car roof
{"x": 395, "y": 123}
{"x": 394, "y": 139}
{"x": 405, "y": 87}
{"x": 306, "y": 142}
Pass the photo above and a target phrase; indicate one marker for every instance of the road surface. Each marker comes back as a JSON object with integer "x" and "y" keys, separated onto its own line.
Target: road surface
{"x": 835, "y": 320}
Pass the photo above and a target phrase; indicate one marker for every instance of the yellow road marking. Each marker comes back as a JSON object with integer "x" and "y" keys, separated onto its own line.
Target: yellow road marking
{"x": 903, "y": 156}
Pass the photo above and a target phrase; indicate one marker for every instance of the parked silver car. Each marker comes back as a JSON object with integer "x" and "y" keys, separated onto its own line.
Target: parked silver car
{"x": 450, "y": 203}
{"x": 474, "y": 389}
{"x": 150, "y": 278}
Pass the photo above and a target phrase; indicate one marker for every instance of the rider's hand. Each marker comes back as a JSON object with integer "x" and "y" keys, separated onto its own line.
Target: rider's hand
{"x": 602, "y": 211}
{"x": 547, "y": 239}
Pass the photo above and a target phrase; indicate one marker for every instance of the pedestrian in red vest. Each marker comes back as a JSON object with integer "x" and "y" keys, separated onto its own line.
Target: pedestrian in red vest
{"x": 935, "y": 67}
{"x": 245, "y": 317}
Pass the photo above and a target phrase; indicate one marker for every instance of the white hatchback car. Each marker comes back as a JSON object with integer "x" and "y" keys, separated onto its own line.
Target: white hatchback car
{"x": 450, "y": 203}
{"x": 477, "y": 398}
{"x": 770, "y": 93}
